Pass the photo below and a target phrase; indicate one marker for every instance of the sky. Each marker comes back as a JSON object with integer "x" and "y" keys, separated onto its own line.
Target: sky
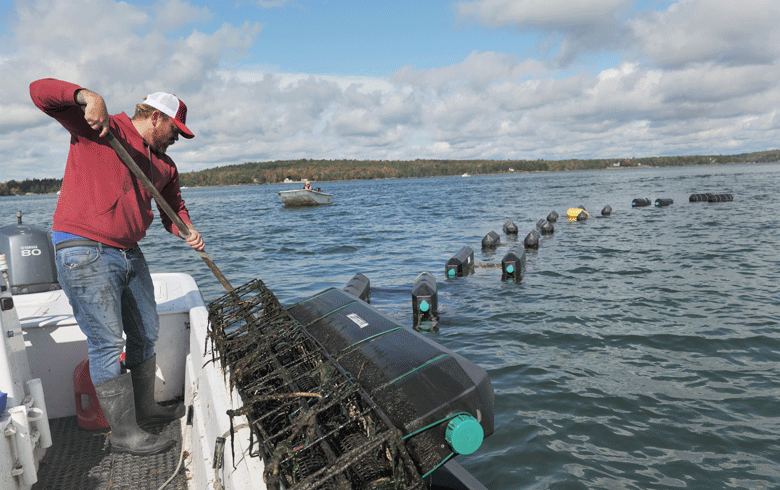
{"x": 335, "y": 79}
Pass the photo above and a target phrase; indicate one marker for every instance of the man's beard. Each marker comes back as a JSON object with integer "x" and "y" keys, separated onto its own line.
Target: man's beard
{"x": 159, "y": 145}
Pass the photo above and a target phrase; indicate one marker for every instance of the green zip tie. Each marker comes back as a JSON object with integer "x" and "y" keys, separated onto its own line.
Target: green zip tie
{"x": 367, "y": 339}
{"x": 439, "y": 465}
{"x": 416, "y": 369}
{"x": 449, "y": 417}
{"x": 326, "y": 315}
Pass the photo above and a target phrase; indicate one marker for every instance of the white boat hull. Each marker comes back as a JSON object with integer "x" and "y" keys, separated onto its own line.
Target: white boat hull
{"x": 55, "y": 345}
{"x": 304, "y": 197}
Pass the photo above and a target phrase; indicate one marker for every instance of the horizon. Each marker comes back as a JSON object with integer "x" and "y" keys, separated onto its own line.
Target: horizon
{"x": 639, "y": 164}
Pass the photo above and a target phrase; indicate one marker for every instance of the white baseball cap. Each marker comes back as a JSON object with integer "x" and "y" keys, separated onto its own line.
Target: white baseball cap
{"x": 171, "y": 106}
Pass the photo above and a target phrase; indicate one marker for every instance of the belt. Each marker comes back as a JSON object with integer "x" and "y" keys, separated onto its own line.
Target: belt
{"x": 79, "y": 242}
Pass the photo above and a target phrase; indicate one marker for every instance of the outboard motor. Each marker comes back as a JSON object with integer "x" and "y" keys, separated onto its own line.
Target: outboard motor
{"x": 661, "y": 201}
{"x": 360, "y": 287}
{"x": 491, "y": 240}
{"x": 30, "y": 256}
{"x": 532, "y": 240}
{"x": 552, "y": 217}
{"x": 607, "y": 210}
{"x": 425, "y": 298}
{"x": 510, "y": 228}
{"x": 513, "y": 264}
{"x": 640, "y": 202}
{"x": 460, "y": 264}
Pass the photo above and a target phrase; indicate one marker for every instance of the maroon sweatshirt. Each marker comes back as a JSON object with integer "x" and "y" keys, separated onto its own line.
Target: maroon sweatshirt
{"x": 100, "y": 198}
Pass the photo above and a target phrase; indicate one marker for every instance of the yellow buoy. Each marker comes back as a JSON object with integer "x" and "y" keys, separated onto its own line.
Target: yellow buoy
{"x": 574, "y": 213}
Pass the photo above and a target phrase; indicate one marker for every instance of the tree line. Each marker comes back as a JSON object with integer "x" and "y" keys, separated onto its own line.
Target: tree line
{"x": 277, "y": 171}
{"x": 32, "y": 186}
{"x": 274, "y": 172}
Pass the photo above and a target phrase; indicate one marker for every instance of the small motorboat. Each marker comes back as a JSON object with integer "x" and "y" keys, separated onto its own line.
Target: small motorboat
{"x": 305, "y": 197}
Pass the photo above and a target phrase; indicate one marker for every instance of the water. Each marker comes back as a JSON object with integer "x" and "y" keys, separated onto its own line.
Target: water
{"x": 640, "y": 350}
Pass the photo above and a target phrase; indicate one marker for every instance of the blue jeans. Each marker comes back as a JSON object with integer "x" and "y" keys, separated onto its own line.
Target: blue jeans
{"x": 110, "y": 291}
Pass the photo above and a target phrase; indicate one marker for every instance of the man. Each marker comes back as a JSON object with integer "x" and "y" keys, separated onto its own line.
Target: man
{"x": 102, "y": 213}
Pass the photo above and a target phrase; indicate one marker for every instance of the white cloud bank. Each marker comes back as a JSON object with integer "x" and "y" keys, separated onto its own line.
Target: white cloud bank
{"x": 698, "y": 77}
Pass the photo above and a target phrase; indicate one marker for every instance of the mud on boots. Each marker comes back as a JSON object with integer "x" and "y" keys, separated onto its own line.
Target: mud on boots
{"x": 117, "y": 402}
{"x": 147, "y": 410}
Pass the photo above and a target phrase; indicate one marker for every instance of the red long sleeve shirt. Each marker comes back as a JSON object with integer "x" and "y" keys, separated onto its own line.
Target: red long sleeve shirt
{"x": 100, "y": 198}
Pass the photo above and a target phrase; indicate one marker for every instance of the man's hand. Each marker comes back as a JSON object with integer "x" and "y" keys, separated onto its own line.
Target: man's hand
{"x": 195, "y": 240}
{"x": 95, "y": 111}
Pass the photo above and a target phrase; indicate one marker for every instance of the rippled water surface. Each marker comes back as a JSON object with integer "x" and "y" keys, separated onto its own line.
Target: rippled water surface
{"x": 640, "y": 350}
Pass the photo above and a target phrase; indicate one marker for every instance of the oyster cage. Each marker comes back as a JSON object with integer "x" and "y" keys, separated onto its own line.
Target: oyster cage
{"x": 317, "y": 427}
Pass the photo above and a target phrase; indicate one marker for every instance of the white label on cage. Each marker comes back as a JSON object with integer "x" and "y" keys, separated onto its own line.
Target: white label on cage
{"x": 358, "y": 321}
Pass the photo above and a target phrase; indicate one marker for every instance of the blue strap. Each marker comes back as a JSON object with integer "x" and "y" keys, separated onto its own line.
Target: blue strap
{"x": 61, "y": 236}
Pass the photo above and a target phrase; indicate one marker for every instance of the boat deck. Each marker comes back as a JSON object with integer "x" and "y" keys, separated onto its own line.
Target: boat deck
{"x": 82, "y": 460}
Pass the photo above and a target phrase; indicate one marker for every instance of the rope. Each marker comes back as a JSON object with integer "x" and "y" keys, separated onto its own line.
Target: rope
{"x": 183, "y": 446}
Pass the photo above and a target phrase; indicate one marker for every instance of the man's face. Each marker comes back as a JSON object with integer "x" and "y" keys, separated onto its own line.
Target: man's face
{"x": 164, "y": 134}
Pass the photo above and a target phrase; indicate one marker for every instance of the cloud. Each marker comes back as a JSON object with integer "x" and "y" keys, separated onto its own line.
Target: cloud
{"x": 664, "y": 92}
{"x": 712, "y": 31}
{"x": 547, "y": 14}
{"x": 175, "y": 14}
{"x": 477, "y": 70}
{"x": 579, "y": 26}
{"x": 267, "y": 4}
{"x": 114, "y": 48}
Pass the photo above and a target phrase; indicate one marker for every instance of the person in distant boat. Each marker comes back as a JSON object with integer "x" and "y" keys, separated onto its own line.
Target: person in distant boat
{"x": 307, "y": 185}
{"x": 102, "y": 213}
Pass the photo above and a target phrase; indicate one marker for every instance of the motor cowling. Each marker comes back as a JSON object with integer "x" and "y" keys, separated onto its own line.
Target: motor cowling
{"x": 30, "y": 257}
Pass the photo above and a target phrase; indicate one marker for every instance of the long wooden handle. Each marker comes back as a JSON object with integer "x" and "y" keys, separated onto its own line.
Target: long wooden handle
{"x": 183, "y": 230}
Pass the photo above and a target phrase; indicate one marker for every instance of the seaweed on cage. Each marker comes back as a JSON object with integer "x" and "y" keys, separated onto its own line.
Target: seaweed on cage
{"x": 316, "y": 426}
{"x": 234, "y": 320}
{"x": 363, "y": 452}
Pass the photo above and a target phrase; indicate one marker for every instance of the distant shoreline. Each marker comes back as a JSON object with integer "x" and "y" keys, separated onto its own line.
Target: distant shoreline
{"x": 275, "y": 172}
{"x": 296, "y": 171}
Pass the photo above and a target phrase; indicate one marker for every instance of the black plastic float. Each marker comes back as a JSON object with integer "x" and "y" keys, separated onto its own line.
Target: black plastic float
{"x": 364, "y": 401}
{"x": 552, "y": 217}
{"x": 607, "y": 210}
{"x": 640, "y": 202}
{"x": 710, "y": 197}
{"x": 545, "y": 227}
{"x": 661, "y": 201}
{"x": 360, "y": 287}
{"x": 491, "y": 240}
{"x": 510, "y": 228}
{"x": 425, "y": 298}
{"x": 513, "y": 264}
{"x": 461, "y": 263}
{"x": 719, "y": 197}
{"x": 532, "y": 240}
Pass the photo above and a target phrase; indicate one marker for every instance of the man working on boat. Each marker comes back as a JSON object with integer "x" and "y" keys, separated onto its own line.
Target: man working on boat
{"x": 102, "y": 213}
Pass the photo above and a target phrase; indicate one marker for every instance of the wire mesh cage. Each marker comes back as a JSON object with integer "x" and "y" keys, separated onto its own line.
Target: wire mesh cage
{"x": 317, "y": 427}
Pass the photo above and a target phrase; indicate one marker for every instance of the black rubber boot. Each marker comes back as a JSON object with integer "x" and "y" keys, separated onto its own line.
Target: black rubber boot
{"x": 146, "y": 409}
{"x": 116, "y": 400}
